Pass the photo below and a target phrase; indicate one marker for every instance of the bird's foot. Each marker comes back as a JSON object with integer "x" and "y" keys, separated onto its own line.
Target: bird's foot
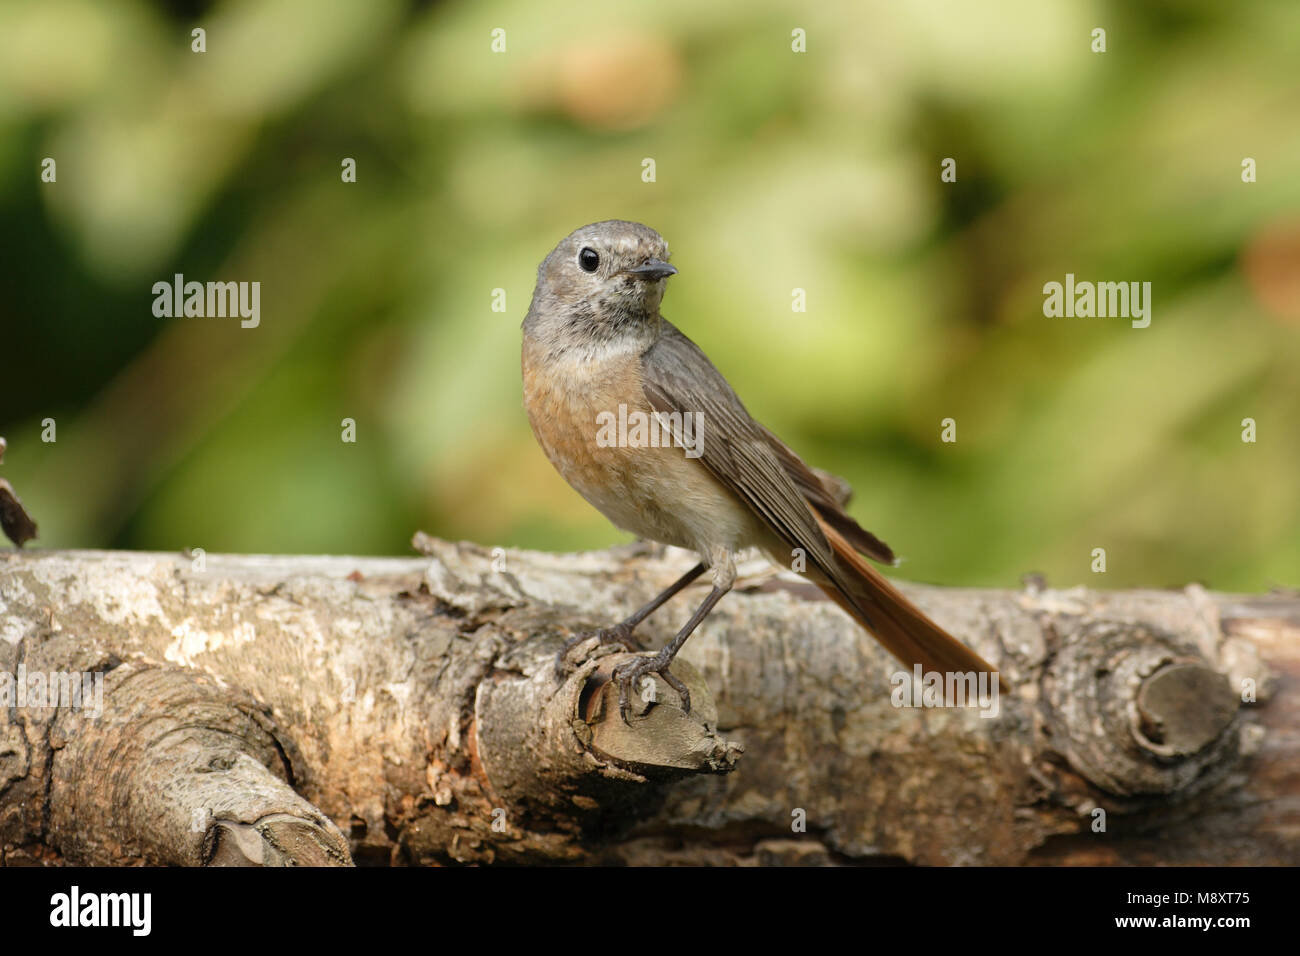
{"x": 620, "y": 634}
{"x": 626, "y": 674}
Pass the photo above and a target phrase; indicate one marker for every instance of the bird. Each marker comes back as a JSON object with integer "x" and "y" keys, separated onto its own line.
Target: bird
{"x": 597, "y": 355}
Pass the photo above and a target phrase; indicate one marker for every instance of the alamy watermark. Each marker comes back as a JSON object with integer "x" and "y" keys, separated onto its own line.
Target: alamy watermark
{"x": 637, "y": 429}
{"x": 216, "y": 300}
{"x": 1086, "y": 300}
{"x": 947, "y": 689}
{"x": 75, "y": 908}
{"x": 75, "y": 690}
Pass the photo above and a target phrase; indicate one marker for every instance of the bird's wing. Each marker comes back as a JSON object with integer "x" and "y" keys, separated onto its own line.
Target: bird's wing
{"x": 825, "y": 502}
{"x": 678, "y": 377}
{"x": 740, "y": 453}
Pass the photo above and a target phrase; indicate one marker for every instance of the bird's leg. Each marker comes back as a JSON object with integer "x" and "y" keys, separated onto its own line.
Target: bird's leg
{"x": 621, "y": 633}
{"x": 724, "y": 576}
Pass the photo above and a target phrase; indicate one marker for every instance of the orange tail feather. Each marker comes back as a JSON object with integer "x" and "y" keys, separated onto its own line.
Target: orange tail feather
{"x": 899, "y": 625}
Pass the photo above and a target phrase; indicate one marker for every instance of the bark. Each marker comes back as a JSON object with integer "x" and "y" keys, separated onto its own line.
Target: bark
{"x": 316, "y": 710}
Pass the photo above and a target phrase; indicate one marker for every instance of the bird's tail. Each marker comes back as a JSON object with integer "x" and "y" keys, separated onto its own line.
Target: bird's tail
{"x": 898, "y": 624}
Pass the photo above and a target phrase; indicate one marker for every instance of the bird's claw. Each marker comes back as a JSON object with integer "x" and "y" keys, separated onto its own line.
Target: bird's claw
{"x": 619, "y": 634}
{"x": 625, "y": 674}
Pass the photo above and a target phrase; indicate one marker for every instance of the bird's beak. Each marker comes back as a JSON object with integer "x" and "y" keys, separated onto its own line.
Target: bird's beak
{"x": 652, "y": 269}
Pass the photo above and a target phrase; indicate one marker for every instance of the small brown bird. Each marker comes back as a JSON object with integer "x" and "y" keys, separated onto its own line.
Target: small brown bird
{"x": 604, "y": 373}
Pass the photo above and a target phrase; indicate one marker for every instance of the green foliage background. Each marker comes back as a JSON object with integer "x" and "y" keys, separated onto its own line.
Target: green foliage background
{"x": 775, "y": 170}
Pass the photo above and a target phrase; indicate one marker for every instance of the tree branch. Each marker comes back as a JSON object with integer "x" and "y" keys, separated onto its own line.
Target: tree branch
{"x": 255, "y": 709}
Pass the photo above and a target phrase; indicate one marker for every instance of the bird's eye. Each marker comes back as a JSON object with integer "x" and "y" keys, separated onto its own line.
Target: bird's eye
{"x": 588, "y": 259}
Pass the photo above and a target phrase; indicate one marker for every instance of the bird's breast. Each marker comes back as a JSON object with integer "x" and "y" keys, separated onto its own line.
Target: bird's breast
{"x": 597, "y": 428}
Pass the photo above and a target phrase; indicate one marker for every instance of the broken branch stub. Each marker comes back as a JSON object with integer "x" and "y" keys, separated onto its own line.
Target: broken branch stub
{"x": 176, "y": 771}
{"x": 1139, "y": 713}
{"x": 538, "y": 768}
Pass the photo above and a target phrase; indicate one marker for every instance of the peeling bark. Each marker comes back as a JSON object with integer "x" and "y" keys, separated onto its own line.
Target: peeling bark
{"x": 304, "y": 710}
